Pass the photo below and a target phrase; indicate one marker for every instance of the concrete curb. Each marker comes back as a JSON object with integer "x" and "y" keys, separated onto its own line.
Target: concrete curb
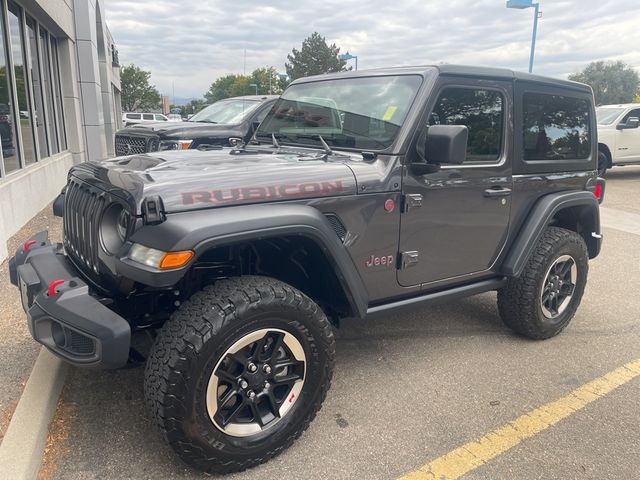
{"x": 23, "y": 444}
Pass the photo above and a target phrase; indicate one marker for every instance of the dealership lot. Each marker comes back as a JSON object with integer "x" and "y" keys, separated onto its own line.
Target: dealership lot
{"x": 416, "y": 385}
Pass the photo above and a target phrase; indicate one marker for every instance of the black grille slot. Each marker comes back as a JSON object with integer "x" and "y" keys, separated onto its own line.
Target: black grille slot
{"x": 337, "y": 225}
{"x": 82, "y": 212}
{"x": 79, "y": 344}
{"x": 132, "y": 144}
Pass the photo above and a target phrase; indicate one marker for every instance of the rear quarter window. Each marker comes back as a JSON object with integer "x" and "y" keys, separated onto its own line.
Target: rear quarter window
{"x": 555, "y": 127}
{"x": 134, "y": 116}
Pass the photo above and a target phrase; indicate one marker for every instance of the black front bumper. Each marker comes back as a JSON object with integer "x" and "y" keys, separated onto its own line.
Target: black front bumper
{"x": 62, "y": 313}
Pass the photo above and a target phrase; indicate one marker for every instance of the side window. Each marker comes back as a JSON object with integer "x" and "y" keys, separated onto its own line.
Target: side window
{"x": 147, "y": 116}
{"x": 134, "y": 116}
{"x": 555, "y": 127}
{"x": 632, "y": 113}
{"x": 482, "y": 111}
{"x": 161, "y": 118}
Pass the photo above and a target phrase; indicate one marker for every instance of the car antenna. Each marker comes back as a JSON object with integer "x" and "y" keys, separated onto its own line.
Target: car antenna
{"x": 327, "y": 148}
{"x": 275, "y": 141}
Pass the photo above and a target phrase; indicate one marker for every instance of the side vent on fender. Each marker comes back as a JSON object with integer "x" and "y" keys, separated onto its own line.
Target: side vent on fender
{"x": 337, "y": 225}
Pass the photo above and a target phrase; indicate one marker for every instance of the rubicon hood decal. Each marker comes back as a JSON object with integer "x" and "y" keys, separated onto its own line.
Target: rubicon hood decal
{"x": 266, "y": 193}
{"x": 194, "y": 179}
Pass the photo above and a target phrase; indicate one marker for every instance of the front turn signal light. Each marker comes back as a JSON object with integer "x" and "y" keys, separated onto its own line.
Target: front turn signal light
{"x": 175, "y": 259}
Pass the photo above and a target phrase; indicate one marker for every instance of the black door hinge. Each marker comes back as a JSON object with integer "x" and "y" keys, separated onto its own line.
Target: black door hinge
{"x": 411, "y": 201}
{"x": 408, "y": 259}
{"x": 153, "y": 210}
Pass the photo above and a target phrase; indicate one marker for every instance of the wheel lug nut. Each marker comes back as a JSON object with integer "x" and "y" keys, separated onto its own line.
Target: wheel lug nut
{"x": 251, "y": 394}
{"x": 243, "y": 383}
{"x": 266, "y": 369}
{"x": 267, "y": 384}
{"x": 252, "y": 367}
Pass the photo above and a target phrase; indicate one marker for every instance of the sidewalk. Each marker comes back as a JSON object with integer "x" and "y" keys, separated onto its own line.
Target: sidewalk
{"x": 18, "y": 351}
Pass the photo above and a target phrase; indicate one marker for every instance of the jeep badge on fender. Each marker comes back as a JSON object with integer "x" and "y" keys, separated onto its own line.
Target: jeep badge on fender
{"x": 242, "y": 260}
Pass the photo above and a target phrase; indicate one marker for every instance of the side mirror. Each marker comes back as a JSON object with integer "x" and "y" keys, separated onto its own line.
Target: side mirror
{"x": 632, "y": 122}
{"x": 441, "y": 144}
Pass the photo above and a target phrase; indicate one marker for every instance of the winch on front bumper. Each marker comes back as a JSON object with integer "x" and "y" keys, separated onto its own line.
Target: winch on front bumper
{"x": 62, "y": 313}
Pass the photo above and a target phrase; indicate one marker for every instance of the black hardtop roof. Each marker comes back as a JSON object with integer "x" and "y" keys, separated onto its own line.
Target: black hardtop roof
{"x": 457, "y": 70}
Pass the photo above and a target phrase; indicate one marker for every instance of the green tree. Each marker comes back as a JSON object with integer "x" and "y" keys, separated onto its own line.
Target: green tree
{"x": 233, "y": 85}
{"x": 268, "y": 81}
{"x": 315, "y": 57}
{"x": 222, "y": 88}
{"x": 612, "y": 82}
{"x": 137, "y": 92}
{"x": 194, "y": 106}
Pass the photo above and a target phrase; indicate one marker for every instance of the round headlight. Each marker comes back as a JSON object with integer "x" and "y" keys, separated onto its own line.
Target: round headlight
{"x": 115, "y": 228}
{"x": 122, "y": 225}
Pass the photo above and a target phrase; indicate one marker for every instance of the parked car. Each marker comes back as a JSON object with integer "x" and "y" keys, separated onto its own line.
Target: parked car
{"x": 216, "y": 125}
{"x": 618, "y": 135}
{"x": 359, "y": 194}
{"x": 137, "y": 118}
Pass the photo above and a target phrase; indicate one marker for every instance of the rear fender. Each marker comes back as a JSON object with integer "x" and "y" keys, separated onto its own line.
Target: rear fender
{"x": 548, "y": 208}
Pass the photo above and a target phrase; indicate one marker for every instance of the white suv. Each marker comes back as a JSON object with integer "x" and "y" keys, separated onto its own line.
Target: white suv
{"x": 618, "y": 135}
{"x": 133, "y": 118}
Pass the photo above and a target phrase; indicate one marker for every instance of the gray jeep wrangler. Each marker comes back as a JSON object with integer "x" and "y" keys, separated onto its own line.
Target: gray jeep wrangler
{"x": 360, "y": 193}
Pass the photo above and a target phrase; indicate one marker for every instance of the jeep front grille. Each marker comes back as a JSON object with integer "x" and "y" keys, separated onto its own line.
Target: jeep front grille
{"x": 133, "y": 144}
{"x": 82, "y": 212}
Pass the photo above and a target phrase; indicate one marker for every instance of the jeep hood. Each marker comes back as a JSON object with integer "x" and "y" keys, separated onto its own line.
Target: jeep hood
{"x": 192, "y": 179}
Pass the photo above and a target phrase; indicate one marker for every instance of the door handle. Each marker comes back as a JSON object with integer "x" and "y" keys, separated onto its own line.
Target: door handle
{"x": 497, "y": 192}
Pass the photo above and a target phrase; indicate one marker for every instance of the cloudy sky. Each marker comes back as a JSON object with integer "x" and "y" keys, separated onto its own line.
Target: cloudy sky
{"x": 190, "y": 43}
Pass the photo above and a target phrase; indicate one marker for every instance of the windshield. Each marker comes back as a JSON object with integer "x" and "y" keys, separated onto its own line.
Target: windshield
{"x": 607, "y": 115}
{"x": 228, "y": 112}
{"x": 361, "y": 113}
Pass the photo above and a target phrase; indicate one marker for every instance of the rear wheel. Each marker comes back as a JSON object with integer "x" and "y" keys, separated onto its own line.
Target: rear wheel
{"x": 603, "y": 163}
{"x": 239, "y": 372}
{"x": 543, "y": 300}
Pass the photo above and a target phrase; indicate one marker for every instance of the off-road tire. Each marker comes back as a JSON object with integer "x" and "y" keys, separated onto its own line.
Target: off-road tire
{"x": 519, "y": 301}
{"x": 191, "y": 343}
{"x": 603, "y": 163}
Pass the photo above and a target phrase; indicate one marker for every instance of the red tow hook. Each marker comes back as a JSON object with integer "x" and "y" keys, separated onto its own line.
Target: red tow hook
{"x": 26, "y": 246}
{"x": 51, "y": 291}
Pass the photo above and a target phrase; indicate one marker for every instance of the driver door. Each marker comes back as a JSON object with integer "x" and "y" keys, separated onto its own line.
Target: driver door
{"x": 455, "y": 220}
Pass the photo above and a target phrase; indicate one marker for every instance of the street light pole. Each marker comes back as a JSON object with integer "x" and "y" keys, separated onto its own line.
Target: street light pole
{"x": 520, "y": 5}
{"x": 533, "y": 36}
{"x": 347, "y": 56}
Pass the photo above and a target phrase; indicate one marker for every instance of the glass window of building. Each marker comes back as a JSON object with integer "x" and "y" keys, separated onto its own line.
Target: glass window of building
{"x": 7, "y": 113}
{"x": 57, "y": 87}
{"x": 48, "y": 91}
{"x": 17, "y": 54}
{"x": 38, "y": 113}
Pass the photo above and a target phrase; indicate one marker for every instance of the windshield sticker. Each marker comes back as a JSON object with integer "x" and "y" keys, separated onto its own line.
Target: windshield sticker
{"x": 388, "y": 115}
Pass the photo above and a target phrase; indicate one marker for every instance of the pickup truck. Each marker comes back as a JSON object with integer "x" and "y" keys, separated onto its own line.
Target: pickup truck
{"x": 618, "y": 136}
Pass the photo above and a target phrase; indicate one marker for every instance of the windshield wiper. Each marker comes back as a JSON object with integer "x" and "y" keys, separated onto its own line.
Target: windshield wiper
{"x": 275, "y": 142}
{"x": 325, "y": 145}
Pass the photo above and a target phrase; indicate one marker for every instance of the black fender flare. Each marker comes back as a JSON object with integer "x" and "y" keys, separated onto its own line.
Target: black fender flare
{"x": 202, "y": 230}
{"x": 541, "y": 216}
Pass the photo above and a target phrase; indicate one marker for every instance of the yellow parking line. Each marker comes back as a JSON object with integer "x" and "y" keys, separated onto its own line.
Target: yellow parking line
{"x": 472, "y": 455}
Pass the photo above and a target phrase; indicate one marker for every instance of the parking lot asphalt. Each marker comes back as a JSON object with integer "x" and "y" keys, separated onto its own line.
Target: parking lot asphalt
{"x": 414, "y": 386}
{"x": 18, "y": 351}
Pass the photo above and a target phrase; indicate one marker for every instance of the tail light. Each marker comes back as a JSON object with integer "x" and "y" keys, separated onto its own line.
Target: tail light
{"x": 598, "y": 189}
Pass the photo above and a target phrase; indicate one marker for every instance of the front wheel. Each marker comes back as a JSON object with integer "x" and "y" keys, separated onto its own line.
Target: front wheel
{"x": 543, "y": 300}
{"x": 239, "y": 372}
